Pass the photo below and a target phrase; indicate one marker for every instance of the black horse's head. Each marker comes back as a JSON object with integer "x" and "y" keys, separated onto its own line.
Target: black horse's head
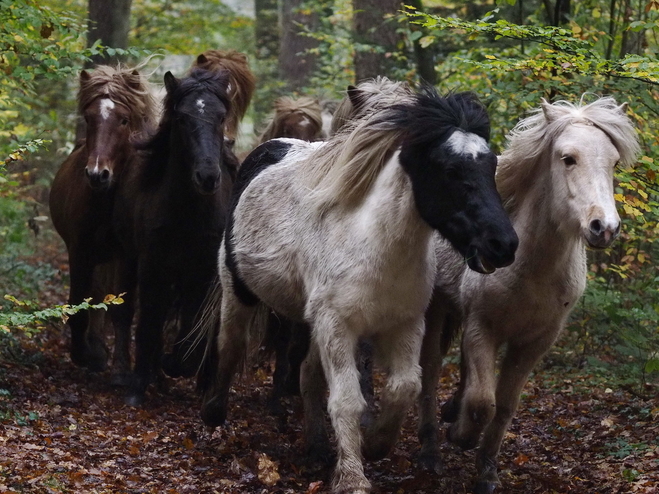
{"x": 197, "y": 107}
{"x": 452, "y": 171}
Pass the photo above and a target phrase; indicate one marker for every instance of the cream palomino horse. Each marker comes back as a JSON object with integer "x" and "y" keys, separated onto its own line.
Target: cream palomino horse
{"x": 556, "y": 181}
{"x": 339, "y": 235}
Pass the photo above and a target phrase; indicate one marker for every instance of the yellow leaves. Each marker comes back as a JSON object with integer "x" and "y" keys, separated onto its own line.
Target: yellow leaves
{"x": 18, "y": 38}
{"x": 114, "y": 299}
{"x": 490, "y": 57}
{"x": 426, "y": 41}
{"x": 267, "y": 470}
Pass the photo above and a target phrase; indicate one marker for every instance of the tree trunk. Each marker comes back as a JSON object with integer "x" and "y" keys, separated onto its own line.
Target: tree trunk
{"x": 109, "y": 21}
{"x": 295, "y": 66}
{"x": 266, "y": 33}
{"x": 425, "y": 57}
{"x": 376, "y": 36}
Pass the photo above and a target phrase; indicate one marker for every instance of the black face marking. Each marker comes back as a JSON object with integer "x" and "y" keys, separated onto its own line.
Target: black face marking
{"x": 268, "y": 153}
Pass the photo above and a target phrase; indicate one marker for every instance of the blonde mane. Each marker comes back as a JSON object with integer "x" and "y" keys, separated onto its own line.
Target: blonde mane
{"x": 536, "y": 134}
{"x": 375, "y": 93}
{"x": 242, "y": 83}
{"x": 123, "y": 85}
{"x": 343, "y": 170}
{"x": 286, "y": 106}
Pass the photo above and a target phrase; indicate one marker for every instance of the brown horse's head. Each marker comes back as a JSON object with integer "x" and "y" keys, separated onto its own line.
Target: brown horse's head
{"x": 242, "y": 83}
{"x": 295, "y": 118}
{"x": 117, "y": 106}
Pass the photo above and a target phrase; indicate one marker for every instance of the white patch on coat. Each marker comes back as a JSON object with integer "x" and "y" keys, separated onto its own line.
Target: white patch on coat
{"x": 107, "y": 105}
{"x": 201, "y": 105}
{"x": 462, "y": 142}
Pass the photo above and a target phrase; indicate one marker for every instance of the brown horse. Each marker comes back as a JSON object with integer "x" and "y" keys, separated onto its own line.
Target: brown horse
{"x": 170, "y": 215}
{"x": 242, "y": 83}
{"x": 117, "y": 107}
{"x": 299, "y": 118}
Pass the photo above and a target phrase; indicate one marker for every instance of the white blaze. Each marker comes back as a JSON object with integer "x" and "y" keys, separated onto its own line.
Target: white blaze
{"x": 201, "y": 105}
{"x": 462, "y": 142}
{"x": 106, "y": 107}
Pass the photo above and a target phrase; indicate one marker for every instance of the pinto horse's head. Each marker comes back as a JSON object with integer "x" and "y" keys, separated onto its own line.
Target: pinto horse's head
{"x": 198, "y": 106}
{"x": 117, "y": 105}
{"x": 452, "y": 172}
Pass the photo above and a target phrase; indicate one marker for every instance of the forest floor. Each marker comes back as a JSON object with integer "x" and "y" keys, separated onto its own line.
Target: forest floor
{"x": 65, "y": 430}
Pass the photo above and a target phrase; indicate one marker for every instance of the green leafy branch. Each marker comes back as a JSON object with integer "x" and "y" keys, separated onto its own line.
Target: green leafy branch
{"x": 26, "y": 316}
{"x": 560, "y": 49}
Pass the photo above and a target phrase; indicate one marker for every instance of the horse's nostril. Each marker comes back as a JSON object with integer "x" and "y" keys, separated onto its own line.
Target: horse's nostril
{"x": 495, "y": 244}
{"x": 105, "y": 175}
{"x": 87, "y": 173}
{"x": 596, "y": 227}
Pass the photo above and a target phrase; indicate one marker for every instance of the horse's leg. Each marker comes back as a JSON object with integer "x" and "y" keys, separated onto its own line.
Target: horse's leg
{"x": 515, "y": 369}
{"x": 280, "y": 331}
{"x": 337, "y": 345}
{"x": 399, "y": 351}
{"x": 431, "y": 365}
{"x": 122, "y": 320}
{"x": 297, "y": 352}
{"x": 476, "y": 398}
{"x": 154, "y": 301}
{"x": 313, "y": 387}
{"x": 81, "y": 269}
{"x": 185, "y": 357}
{"x": 231, "y": 349}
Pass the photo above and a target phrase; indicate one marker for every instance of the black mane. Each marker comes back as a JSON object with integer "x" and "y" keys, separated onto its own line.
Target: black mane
{"x": 157, "y": 147}
{"x": 432, "y": 117}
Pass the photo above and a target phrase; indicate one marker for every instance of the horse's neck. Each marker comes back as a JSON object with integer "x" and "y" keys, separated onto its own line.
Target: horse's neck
{"x": 389, "y": 212}
{"x": 546, "y": 246}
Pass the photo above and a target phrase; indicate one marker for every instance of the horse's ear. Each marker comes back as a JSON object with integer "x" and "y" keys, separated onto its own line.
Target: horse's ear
{"x": 84, "y": 76}
{"x": 623, "y": 108}
{"x": 171, "y": 82}
{"x": 201, "y": 59}
{"x": 356, "y": 97}
{"x": 134, "y": 80}
{"x": 548, "y": 110}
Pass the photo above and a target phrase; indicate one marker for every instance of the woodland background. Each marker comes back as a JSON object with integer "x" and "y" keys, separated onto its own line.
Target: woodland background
{"x": 512, "y": 53}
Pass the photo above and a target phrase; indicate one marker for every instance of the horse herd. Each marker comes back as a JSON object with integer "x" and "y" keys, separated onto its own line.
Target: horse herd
{"x": 397, "y": 225}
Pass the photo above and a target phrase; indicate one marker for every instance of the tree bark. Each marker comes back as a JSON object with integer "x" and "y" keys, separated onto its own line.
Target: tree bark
{"x": 295, "y": 66}
{"x": 266, "y": 33}
{"x": 109, "y": 21}
{"x": 377, "y": 37}
{"x": 425, "y": 57}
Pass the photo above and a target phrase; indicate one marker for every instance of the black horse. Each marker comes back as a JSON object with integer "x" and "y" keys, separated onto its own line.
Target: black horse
{"x": 170, "y": 216}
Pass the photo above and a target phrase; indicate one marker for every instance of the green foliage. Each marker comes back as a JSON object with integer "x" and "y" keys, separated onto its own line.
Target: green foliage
{"x": 512, "y": 66}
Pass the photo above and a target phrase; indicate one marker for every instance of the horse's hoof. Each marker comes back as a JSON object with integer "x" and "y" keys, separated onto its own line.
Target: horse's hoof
{"x": 464, "y": 443}
{"x": 135, "y": 399}
{"x": 450, "y": 410}
{"x": 120, "y": 379}
{"x": 431, "y": 462}
{"x": 485, "y": 487}
{"x": 213, "y": 412}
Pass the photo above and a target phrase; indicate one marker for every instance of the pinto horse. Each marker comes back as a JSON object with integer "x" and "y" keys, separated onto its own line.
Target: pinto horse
{"x": 299, "y": 118}
{"x": 117, "y": 106}
{"x": 170, "y": 216}
{"x": 339, "y": 235}
{"x": 556, "y": 181}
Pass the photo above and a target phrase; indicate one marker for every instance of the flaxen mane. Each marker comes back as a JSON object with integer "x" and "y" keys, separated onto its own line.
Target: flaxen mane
{"x": 285, "y": 107}
{"x": 241, "y": 83}
{"x": 516, "y": 163}
{"x": 376, "y": 93}
{"x": 343, "y": 171}
{"x": 123, "y": 85}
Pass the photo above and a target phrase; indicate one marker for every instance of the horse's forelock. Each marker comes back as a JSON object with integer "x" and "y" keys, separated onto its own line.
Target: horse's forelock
{"x": 123, "y": 85}
{"x": 199, "y": 79}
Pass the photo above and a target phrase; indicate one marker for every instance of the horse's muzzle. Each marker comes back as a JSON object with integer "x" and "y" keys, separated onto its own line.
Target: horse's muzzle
{"x": 599, "y": 236}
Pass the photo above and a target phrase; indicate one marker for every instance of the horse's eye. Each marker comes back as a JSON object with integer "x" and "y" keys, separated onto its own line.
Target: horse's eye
{"x": 569, "y": 160}
{"x": 124, "y": 121}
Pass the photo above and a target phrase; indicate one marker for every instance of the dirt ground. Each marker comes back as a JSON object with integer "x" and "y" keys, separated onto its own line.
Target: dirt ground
{"x": 64, "y": 430}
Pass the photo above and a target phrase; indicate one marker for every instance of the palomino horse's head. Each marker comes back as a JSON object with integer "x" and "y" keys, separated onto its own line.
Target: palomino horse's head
{"x": 452, "y": 170}
{"x": 583, "y": 158}
{"x": 562, "y": 159}
{"x": 295, "y": 118}
{"x": 197, "y": 107}
{"x": 117, "y": 106}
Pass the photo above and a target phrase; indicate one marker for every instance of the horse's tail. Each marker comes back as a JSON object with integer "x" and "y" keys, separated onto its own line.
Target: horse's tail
{"x": 207, "y": 329}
